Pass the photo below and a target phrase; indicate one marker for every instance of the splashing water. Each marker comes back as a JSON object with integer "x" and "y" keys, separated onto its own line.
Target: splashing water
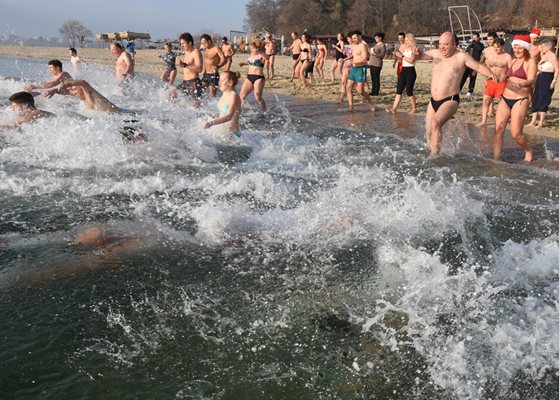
{"x": 312, "y": 260}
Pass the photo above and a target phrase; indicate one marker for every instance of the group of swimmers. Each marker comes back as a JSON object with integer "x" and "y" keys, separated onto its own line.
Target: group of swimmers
{"x": 510, "y": 78}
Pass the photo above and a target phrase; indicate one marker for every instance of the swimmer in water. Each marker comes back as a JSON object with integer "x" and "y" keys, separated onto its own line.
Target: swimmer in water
{"x": 229, "y": 104}
{"x": 58, "y": 77}
{"x": 90, "y": 97}
{"x": 94, "y": 100}
{"x": 23, "y": 104}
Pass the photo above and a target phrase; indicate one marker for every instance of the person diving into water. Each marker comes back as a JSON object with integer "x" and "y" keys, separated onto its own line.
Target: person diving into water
{"x": 94, "y": 100}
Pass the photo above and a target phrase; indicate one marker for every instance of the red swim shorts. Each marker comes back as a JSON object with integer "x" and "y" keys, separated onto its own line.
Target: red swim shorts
{"x": 494, "y": 89}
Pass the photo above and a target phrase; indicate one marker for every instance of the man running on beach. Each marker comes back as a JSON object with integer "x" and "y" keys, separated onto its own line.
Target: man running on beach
{"x": 213, "y": 60}
{"x": 23, "y": 104}
{"x": 124, "y": 66}
{"x": 448, "y": 68}
{"x": 295, "y": 51}
{"x": 358, "y": 72}
{"x": 58, "y": 77}
{"x": 498, "y": 62}
{"x": 192, "y": 63}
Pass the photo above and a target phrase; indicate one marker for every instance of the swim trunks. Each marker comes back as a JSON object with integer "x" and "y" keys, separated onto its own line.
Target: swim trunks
{"x": 358, "y": 74}
{"x": 211, "y": 79}
{"x": 191, "y": 87}
{"x": 494, "y": 89}
{"x": 437, "y": 103}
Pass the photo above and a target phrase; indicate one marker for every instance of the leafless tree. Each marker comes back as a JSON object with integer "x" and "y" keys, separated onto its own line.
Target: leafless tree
{"x": 75, "y": 32}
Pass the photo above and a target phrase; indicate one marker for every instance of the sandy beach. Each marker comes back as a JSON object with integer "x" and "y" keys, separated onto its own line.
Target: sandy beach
{"x": 148, "y": 62}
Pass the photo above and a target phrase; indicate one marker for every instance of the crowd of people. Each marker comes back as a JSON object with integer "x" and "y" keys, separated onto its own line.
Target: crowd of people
{"x": 525, "y": 75}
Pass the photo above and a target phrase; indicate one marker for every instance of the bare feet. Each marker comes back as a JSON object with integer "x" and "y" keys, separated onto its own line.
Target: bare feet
{"x": 390, "y": 110}
{"x": 540, "y": 125}
{"x": 528, "y": 157}
{"x": 372, "y": 107}
{"x": 413, "y": 111}
{"x": 531, "y": 124}
{"x": 482, "y": 123}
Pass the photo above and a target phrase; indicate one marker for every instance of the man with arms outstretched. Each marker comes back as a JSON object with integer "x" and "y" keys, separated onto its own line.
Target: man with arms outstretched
{"x": 449, "y": 65}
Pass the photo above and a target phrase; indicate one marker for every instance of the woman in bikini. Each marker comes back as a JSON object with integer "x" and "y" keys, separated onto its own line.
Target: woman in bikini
{"x": 319, "y": 60}
{"x": 304, "y": 58}
{"x": 229, "y": 105}
{"x": 514, "y": 102}
{"x": 255, "y": 77}
{"x": 338, "y": 62}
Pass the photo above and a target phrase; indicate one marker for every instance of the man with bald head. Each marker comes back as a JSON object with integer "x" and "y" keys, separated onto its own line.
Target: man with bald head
{"x": 449, "y": 65}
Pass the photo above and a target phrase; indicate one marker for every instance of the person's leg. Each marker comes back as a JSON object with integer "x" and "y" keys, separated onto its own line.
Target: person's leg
{"x": 410, "y": 84}
{"x": 534, "y": 118}
{"x": 376, "y": 80}
{"x": 501, "y": 120}
{"x": 333, "y": 69}
{"x": 517, "y": 116}
{"x": 484, "y": 109}
{"x": 172, "y": 76}
{"x": 293, "y": 70}
{"x": 400, "y": 85}
{"x": 245, "y": 90}
{"x": 272, "y": 61}
{"x": 438, "y": 119}
{"x": 413, "y": 105}
{"x": 364, "y": 95}
{"x": 258, "y": 90}
{"x": 542, "y": 117}
{"x": 164, "y": 76}
{"x": 349, "y": 93}
{"x": 472, "y": 84}
{"x": 464, "y": 77}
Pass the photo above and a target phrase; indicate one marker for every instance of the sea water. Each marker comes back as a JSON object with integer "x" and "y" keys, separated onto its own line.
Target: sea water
{"x": 322, "y": 257}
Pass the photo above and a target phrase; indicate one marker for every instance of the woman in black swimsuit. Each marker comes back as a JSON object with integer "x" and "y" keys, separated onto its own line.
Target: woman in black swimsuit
{"x": 515, "y": 99}
{"x": 255, "y": 77}
{"x": 338, "y": 62}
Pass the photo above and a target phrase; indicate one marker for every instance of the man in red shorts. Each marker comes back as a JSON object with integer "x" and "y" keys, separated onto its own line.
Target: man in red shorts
{"x": 498, "y": 62}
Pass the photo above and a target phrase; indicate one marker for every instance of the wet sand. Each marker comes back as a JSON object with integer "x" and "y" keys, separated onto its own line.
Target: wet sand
{"x": 148, "y": 62}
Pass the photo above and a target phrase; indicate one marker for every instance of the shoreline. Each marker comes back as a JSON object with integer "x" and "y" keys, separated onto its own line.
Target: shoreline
{"x": 148, "y": 62}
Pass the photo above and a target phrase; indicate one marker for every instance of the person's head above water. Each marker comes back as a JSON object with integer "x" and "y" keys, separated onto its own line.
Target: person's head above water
{"x": 22, "y": 100}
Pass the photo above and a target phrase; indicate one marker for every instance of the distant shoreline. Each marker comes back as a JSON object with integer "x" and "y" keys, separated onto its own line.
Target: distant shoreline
{"x": 149, "y": 63}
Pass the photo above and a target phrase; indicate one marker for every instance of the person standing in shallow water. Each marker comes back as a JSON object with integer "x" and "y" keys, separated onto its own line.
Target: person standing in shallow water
{"x": 448, "y": 67}
{"x": 254, "y": 81}
{"x": 358, "y": 73}
{"x": 514, "y": 102}
{"x": 169, "y": 57}
{"x": 124, "y": 66}
{"x": 229, "y": 105}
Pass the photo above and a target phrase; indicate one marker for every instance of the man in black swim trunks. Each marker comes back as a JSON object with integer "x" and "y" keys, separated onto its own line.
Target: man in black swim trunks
{"x": 213, "y": 60}
{"x": 191, "y": 61}
{"x": 449, "y": 65}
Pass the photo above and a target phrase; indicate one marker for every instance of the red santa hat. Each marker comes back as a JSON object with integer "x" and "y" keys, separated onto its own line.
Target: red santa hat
{"x": 522, "y": 40}
{"x": 535, "y": 32}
